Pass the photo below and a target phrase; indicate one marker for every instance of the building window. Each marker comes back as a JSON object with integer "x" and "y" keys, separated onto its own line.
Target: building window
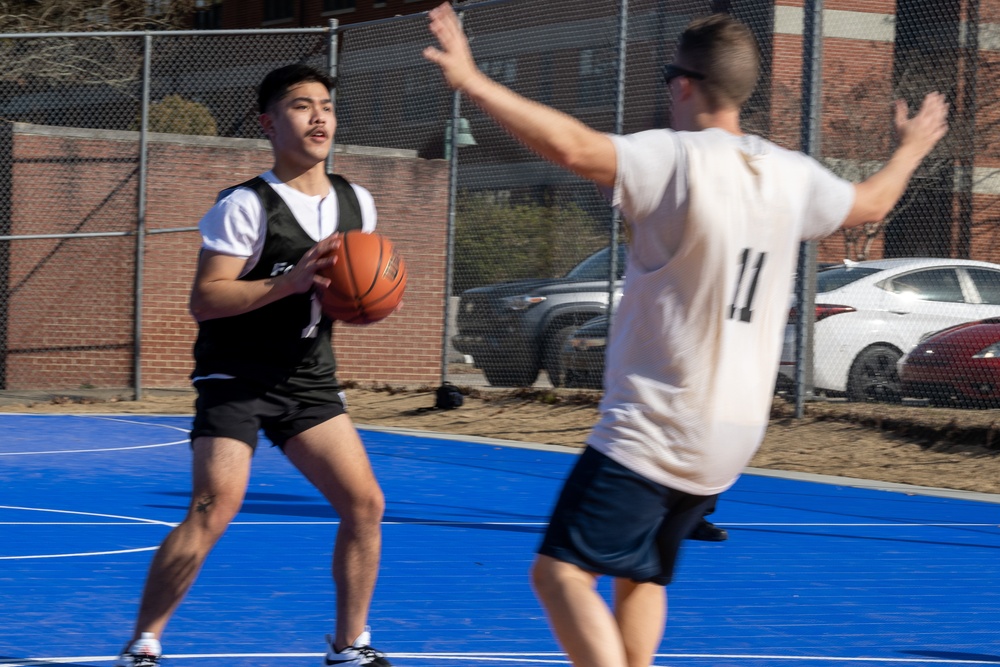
{"x": 157, "y": 7}
{"x": 208, "y": 15}
{"x": 338, "y": 5}
{"x": 598, "y": 74}
{"x": 422, "y": 103}
{"x": 278, "y": 10}
{"x": 502, "y": 70}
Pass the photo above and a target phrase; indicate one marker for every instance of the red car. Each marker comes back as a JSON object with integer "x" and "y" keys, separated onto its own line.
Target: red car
{"x": 960, "y": 364}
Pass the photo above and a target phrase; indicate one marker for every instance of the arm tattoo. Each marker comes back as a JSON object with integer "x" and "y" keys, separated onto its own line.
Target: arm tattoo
{"x": 204, "y": 503}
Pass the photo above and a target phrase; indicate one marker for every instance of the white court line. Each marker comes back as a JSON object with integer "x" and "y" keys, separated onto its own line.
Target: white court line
{"x": 102, "y": 449}
{"x": 105, "y": 449}
{"x": 82, "y": 553}
{"x": 526, "y": 524}
{"x": 74, "y": 523}
{"x": 540, "y": 658}
{"x": 544, "y": 523}
{"x": 133, "y": 519}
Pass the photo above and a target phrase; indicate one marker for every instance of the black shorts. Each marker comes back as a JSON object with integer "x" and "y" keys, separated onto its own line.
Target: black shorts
{"x": 230, "y": 408}
{"x": 610, "y": 520}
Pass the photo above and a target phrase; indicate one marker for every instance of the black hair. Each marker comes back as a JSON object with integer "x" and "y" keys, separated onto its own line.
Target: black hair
{"x": 277, "y": 82}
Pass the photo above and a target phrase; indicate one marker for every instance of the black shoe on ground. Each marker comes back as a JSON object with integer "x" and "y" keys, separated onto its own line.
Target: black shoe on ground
{"x": 706, "y": 531}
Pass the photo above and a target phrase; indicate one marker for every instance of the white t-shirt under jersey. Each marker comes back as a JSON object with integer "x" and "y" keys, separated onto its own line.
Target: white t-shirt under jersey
{"x": 235, "y": 225}
{"x": 716, "y": 221}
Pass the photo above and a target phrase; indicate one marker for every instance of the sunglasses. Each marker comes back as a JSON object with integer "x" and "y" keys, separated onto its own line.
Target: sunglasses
{"x": 671, "y": 72}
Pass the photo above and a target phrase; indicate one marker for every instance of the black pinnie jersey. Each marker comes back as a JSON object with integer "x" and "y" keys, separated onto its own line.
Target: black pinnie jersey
{"x": 286, "y": 343}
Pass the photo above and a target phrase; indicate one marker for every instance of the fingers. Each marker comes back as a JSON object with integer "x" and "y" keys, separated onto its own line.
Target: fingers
{"x": 452, "y": 53}
{"x": 329, "y": 244}
{"x": 902, "y": 112}
{"x": 933, "y": 116}
{"x": 432, "y": 54}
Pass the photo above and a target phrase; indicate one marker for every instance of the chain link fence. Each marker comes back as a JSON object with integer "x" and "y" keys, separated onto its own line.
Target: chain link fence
{"x": 115, "y": 144}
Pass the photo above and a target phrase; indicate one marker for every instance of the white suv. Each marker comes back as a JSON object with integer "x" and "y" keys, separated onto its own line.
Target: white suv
{"x": 869, "y": 314}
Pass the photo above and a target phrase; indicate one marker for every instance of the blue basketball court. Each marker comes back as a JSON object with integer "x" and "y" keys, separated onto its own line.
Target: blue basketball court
{"x": 814, "y": 572}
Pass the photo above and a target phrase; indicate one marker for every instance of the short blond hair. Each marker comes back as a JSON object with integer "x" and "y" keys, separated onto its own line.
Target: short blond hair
{"x": 725, "y": 52}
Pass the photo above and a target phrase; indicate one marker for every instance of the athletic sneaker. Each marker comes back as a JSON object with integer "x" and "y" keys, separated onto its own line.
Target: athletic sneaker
{"x": 357, "y": 654}
{"x": 144, "y": 652}
{"x": 706, "y": 531}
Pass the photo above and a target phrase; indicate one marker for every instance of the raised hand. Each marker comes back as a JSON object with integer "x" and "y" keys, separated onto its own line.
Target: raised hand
{"x": 922, "y": 132}
{"x": 454, "y": 57}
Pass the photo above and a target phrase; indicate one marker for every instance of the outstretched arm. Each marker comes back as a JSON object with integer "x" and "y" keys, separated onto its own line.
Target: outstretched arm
{"x": 555, "y": 136}
{"x": 875, "y": 196}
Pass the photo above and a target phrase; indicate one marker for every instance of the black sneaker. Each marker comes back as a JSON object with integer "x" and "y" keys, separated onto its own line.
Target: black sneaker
{"x": 706, "y": 531}
{"x": 357, "y": 654}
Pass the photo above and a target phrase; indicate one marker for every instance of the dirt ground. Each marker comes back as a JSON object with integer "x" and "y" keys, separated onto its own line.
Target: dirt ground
{"x": 951, "y": 449}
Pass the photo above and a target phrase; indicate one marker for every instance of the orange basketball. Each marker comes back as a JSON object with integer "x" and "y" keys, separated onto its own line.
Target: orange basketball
{"x": 367, "y": 280}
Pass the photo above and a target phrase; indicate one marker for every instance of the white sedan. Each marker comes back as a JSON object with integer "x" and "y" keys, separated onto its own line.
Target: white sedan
{"x": 869, "y": 314}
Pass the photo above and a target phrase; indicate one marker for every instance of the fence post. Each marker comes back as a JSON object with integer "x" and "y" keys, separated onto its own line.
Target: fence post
{"x": 966, "y": 126}
{"x": 618, "y": 129}
{"x": 805, "y": 276}
{"x": 332, "y": 67}
{"x": 449, "y": 258}
{"x": 140, "y": 230}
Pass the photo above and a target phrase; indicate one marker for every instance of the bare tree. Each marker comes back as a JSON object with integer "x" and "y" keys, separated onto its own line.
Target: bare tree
{"x": 101, "y": 60}
{"x": 857, "y": 137}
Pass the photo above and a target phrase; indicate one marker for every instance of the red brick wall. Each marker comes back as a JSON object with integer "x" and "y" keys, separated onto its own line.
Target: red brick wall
{"x": 69, "y": 303}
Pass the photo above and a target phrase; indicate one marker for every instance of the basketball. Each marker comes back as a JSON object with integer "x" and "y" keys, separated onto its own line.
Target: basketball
{"x": 367, "y": 280}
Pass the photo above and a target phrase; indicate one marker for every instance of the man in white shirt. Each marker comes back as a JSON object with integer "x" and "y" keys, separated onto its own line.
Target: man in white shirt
{"x": 263, "y": 360}
{"x": 716, "y": 219}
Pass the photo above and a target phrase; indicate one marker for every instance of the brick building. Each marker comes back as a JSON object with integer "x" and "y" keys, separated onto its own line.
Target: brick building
{"x": 238, "y": 14}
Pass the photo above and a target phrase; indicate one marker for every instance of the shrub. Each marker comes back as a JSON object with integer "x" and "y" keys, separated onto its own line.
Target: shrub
{"x": 176, "y": 115}
{"x": 498, "y": 242}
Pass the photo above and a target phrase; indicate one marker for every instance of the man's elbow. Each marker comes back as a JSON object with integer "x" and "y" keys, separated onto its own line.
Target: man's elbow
{"x": 197, "y": 307}
{"x": 869, "y": 206}
{"x": 590, "y": 165}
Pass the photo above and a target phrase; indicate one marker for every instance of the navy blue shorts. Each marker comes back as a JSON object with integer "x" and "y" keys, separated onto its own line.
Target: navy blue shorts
{"x": 610, "y": 520}
{"x": 230, "y": 408}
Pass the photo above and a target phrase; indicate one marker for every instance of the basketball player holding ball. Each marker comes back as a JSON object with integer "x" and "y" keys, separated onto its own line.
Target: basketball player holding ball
{"x": 263, "y": 359}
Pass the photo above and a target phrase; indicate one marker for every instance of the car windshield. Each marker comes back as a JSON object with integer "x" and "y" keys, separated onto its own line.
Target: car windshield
{"x": 828, "y": 280}
{"x": 595, "y": 267}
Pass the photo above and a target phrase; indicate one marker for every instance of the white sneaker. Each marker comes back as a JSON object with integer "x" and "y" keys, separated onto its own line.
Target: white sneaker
{"x": 144, "y": 652}
{"x": 357, "y": 654}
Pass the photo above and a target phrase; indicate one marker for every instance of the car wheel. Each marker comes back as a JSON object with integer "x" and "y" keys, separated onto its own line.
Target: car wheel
{"x": 873, "y": 375}
{"x": 509, "y": 375}
{"x": 551, "y": 360}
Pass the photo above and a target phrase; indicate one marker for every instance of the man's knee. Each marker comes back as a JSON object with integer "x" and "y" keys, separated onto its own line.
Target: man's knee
{"x": 212, "y": 513}
{"x": 366, "y": 509}
{"x": 549, "y": 575}
{"x": 546, "y": 575}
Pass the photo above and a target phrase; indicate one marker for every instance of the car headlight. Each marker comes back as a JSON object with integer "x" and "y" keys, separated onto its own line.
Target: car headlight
{"x": 587, "y": 343}
{"x": 990, "y": 352}
{"x": 522, "y": 301}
